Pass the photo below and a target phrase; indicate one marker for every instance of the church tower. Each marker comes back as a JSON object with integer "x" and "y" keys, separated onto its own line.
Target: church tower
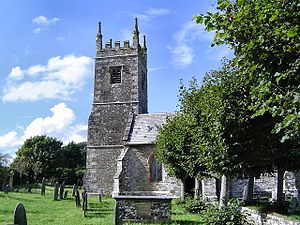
{"x": 120, "y": 91}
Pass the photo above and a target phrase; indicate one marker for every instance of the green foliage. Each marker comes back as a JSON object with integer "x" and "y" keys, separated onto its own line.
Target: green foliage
{"x": 192, "y": 205}
{"x": 229, "y": 215}
{"x": 264, "y": 35}
{"x": 41, "y": 155}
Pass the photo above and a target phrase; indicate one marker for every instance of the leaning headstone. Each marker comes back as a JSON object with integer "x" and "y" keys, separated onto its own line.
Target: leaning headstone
{"x": 20, "y": 215}
{"x": 61, "y": 190}
{"x": 293, "y": 205}
{"x": 43, "y": 190}
{"x": 74, "y": 190}
{"x": 55, "y": 195}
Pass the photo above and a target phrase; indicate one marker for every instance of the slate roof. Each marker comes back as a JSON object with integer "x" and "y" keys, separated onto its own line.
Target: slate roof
{"x": 146, "y": 126}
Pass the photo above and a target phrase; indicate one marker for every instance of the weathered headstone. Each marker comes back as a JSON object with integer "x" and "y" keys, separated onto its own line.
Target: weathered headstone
{"x": 84, "y": 202}
{"x": 55, "y": 195}
{"x": 11, "y": 179}
{"x": 245, "y": 193}
{"x": 74, "y": 190}
{"x": 274, "y": 195}
{"x": 66, "y": 194}
{"x": 100, "y": 195}
{"x": 43, "y": 190}
{"x": 29, "y": 188}
{"x": 293, "y": 205}
{"x": 6, "y": 188}
{"x": 61, "y": 190}
{"x": 77, "y": 198}
{"x": 20, "y": 215}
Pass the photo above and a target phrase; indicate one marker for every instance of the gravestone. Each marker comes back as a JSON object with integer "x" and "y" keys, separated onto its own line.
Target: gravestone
{"x": 66, "y": 194}
{"x": 11, "y": 179}
{"x": 29, "y": 188}
{"x": 56, "y": 186}
{"x": 245, "y": 193}
{"x": 6, "y": 188}
{"x": 293, "y": 205}
{"x": 84, "y": 202}
{"x": 100, "y": 195}
{"x": 117, "y": 219}
{"x": 74, "y": 190}
{"x": 61, "y": 190}
{"x": 20, "y": 215}
{"x": 77, "y": 198}
{"x": 43, "y": 190}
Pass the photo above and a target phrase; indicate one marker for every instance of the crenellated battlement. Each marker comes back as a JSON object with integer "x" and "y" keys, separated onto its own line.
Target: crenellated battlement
{"x": 126, "y": 48}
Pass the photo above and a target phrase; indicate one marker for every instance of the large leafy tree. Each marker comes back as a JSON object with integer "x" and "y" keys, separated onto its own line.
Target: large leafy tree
{"x": 4, "y": 169}
{"x": 264, "y": 35}
{"x": 42, "y": 155}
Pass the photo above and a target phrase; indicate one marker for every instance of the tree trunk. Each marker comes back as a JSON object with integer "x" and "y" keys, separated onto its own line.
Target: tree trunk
{"x": 198, "y": 189}
{"x": 280, "y": 186}
{"x": 224, "y": 194}
{"x": 182, "y": 188}
{"x": 250, "y": 186}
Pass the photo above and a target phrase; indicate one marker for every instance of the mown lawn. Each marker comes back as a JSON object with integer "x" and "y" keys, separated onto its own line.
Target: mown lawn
{"x": 43, "y": 210}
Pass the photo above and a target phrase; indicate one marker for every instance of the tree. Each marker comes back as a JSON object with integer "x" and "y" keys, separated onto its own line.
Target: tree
{"x": 265, "y": 40}
{"x": 73, "y": 167}
{"x": 264, "y": 35}
{"x": 4, "y": 169}
{"x": 43, "y": 155}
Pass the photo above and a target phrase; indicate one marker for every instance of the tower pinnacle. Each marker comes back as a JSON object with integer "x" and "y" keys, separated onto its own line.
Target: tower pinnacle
{"x": 136, "y": 33}
{"x": 99, "y": 38}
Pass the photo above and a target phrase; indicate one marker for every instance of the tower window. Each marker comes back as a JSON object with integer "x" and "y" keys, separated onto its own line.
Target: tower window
{"x": 115, "y": 74}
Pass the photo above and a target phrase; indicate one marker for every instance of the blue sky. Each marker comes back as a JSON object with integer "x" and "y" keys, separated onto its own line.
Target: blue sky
{"x": 47, "y": 59}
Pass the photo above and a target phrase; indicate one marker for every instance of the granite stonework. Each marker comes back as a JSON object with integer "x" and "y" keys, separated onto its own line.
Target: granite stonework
{"x": 114, "y": 103}
{"x": 144, "y": 208}
{"x": 258, "y": 218}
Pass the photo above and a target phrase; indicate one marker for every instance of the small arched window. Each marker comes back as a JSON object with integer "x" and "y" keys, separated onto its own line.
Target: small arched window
{"x": 115, "y": 74}
{"x": 155, "y": 169}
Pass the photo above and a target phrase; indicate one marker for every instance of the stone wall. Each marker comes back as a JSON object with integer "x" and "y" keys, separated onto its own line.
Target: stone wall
{"x": 265, "y": 219}
{"x": 133, "y": 177}
{"x": 101, "y": 167}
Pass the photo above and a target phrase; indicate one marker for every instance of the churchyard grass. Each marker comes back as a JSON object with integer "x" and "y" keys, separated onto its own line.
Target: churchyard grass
{"x": 44, "y": 210}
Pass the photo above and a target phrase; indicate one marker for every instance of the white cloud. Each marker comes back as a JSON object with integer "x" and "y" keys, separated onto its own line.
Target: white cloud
{"x": 37, "y": 30}
{"x": 61, "y": 117}
{"x": 58, "y": 79}
{"x": 9, "y": 140}
{"x": 59, "y": 124}
{"x": 154, "y": 12}
{"x": 183, "y": 49}
{"x": 44, "y": 21}
{"x": 151, "y": 13}
{"x": 16, "y": 73}
{"x": 60, "y": 39}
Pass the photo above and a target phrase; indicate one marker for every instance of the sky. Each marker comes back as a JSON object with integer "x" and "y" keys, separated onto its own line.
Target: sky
{"x": 47, "y": 51}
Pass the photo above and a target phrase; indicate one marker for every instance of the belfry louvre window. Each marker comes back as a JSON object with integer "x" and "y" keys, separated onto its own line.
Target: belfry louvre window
{"x": 115, "y": 74}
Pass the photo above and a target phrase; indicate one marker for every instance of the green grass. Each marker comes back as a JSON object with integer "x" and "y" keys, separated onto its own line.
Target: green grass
{"x": 43, "y": 210}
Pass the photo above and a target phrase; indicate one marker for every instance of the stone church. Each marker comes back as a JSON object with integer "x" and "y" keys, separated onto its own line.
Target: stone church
{"x": 122, "y": 134}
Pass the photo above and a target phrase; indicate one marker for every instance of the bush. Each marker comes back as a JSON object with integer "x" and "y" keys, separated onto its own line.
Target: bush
{"x": 229, "y": 215}
{"x": 192, "y": 205}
